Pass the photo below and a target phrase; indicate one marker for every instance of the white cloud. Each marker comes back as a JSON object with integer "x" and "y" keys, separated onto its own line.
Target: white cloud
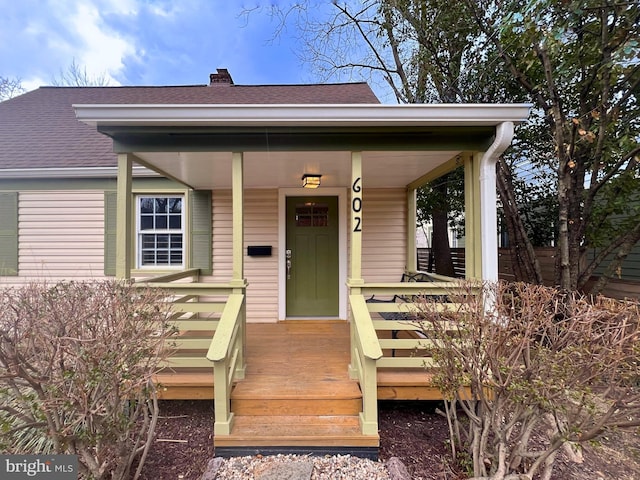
{"x": 141, "y": 42}
{"x": 100, "y": 50}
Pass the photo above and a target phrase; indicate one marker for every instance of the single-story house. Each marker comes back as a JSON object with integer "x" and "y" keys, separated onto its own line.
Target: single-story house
{"x": 271, "y": 213}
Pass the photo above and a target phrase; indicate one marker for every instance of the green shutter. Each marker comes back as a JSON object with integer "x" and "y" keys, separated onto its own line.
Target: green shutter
{"x": 9, "y": 233}
{"x": 110, "y": 227}
{"x": 200, "y": 235}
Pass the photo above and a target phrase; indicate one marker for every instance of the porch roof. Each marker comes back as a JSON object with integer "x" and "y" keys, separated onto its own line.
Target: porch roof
{"x": 400, "y": 143}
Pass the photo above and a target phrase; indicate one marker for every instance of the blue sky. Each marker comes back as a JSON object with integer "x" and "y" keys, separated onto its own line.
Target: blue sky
{"x": 147, "y": 42}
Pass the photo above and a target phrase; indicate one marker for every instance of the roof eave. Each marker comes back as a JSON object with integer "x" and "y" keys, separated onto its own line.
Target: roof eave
{"x": 310, "y": 115}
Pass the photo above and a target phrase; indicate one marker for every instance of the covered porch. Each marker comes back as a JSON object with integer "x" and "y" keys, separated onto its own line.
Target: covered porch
{"x": 320, "y": 372}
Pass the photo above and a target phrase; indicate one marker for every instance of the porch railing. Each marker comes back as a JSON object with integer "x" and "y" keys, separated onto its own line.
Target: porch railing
{"x": 227, "y": 354}
{"x": 378, "y": 343}
{"x": 210, "y": 320}
{"x": 365, "y": 352}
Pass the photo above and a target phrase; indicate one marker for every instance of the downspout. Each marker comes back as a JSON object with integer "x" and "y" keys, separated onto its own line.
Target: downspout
{"x": 488, "y": 207}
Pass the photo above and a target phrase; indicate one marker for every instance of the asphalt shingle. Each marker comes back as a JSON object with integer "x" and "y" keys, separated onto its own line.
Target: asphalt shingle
{"x": 39, "y": 129}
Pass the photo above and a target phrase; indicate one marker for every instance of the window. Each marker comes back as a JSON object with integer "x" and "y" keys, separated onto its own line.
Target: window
{"x": 312, "y": 215}
{"x": 160, "y": 231}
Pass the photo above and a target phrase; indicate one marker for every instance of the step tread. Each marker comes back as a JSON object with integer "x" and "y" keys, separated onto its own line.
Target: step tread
{"x": 296, "y": 406}
{"x": 312, "y": 389}
{"x": 291, "y": 430}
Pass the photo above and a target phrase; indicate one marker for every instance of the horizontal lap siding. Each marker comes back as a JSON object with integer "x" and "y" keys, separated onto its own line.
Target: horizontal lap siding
{"x": 384, "y": 221}
{"x": 61, "y": 235}
{"x": 260, "y": 228}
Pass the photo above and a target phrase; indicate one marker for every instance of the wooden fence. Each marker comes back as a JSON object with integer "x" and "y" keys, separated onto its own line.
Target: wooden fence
{"x": 616, "y": 288}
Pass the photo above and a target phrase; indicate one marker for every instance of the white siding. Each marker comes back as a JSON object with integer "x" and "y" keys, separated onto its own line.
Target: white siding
{"x": 384, "y": 227}
{"x": 61, "y": 235}
{"x": 260, "y": 228}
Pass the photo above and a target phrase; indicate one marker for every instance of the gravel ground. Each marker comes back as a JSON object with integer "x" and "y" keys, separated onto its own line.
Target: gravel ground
{"x": 324, "y": 468}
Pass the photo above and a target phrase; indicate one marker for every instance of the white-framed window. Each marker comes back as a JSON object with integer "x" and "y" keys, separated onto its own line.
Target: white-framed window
{"x": 160, "y": 231}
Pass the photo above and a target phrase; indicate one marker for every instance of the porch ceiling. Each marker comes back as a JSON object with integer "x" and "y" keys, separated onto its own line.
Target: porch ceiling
{"x": 208, "y": 170}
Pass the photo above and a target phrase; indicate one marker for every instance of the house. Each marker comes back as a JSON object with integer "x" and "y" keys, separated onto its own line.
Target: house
{"x": 205, "y": 191}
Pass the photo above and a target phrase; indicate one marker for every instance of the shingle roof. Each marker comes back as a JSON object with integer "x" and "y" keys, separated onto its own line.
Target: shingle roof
{"x": 39, "y": 129}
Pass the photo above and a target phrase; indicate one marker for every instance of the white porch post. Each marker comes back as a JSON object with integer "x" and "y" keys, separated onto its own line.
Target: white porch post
{"x": 237, "y": 182}
{"x": 488, "y": 209}
{"x": 124, "y": 233}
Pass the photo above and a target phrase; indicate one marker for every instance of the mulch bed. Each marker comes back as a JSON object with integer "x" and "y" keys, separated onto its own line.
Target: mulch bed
{"x": 411, "y": 431}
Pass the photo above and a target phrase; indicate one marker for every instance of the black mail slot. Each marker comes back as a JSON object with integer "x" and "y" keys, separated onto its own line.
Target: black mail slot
{"x": 259, "y": 251}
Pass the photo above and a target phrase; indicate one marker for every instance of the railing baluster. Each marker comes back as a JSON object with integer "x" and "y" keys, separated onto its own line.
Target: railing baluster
{"x": 367, "y": 355}
{"x": 226, "y": 348}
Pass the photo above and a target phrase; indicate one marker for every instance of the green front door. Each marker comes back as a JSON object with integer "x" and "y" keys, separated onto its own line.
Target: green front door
{"x": 312, "y": 256}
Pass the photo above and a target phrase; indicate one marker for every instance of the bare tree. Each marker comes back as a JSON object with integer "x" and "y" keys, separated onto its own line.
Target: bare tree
{"x": 578, "y": 64}
{"x": 77, "y": 76}
{"x": 9, "y": 88}
{"x": 424, "y": 51}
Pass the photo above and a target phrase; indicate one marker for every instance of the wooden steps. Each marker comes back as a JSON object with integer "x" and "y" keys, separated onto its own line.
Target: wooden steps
{"x": 297, "y": 430}
{"x": 297, "y": 396}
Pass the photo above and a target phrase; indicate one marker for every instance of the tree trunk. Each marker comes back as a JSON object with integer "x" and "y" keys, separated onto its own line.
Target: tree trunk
{"x": 440, "y": 236}
{"x": 526, "y": 267}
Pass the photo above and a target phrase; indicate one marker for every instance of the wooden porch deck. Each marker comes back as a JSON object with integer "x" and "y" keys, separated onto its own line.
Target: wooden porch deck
{"x": 297, "y": 394}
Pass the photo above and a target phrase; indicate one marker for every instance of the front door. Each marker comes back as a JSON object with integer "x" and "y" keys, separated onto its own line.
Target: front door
{"x": 312, "y": 257}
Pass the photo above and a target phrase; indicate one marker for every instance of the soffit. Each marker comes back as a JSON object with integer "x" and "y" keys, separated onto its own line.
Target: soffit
{"x": 380, "y": 169}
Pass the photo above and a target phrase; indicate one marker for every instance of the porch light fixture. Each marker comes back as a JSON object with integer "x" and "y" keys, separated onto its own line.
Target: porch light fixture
{"x": 311, "y": 180}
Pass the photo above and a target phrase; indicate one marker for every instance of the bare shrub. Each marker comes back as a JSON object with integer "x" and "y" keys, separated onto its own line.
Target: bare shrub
{"x": 76, "y": 363}
{"x": 533, "y": 371}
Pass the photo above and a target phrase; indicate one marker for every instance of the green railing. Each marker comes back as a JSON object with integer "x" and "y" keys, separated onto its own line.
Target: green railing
{"x": 227, "y": 354}
{"x": 388, "y": 334}
{"x": 210, "y": 321}
{"x": 365, "y": 352}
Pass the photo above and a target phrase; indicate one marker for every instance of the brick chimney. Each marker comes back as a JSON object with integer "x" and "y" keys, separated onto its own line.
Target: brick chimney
{"x": 222, "y": 78}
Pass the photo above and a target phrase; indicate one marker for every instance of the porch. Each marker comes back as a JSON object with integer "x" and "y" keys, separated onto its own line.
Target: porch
{"x": 286, "y": 385}
{"x": 296, "y": 385}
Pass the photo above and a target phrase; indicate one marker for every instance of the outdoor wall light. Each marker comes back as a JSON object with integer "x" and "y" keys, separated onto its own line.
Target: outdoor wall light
{"x": 311, "y": 180}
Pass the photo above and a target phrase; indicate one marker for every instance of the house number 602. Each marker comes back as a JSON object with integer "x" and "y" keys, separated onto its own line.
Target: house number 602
{"x": 356, "y": 205}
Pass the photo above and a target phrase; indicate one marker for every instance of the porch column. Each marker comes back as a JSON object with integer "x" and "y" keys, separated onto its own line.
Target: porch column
{"x": 473, "y": 239}
{"x": 355, "y": 275}
{"x": 237, "y": 186}
{"x": 123, "y": 223}
{"x": 488, "y": 209}
{"x": 412, "y": 221}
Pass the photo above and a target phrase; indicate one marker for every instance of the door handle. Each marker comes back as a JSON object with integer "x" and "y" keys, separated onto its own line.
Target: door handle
{"x": 288, "y": 255}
